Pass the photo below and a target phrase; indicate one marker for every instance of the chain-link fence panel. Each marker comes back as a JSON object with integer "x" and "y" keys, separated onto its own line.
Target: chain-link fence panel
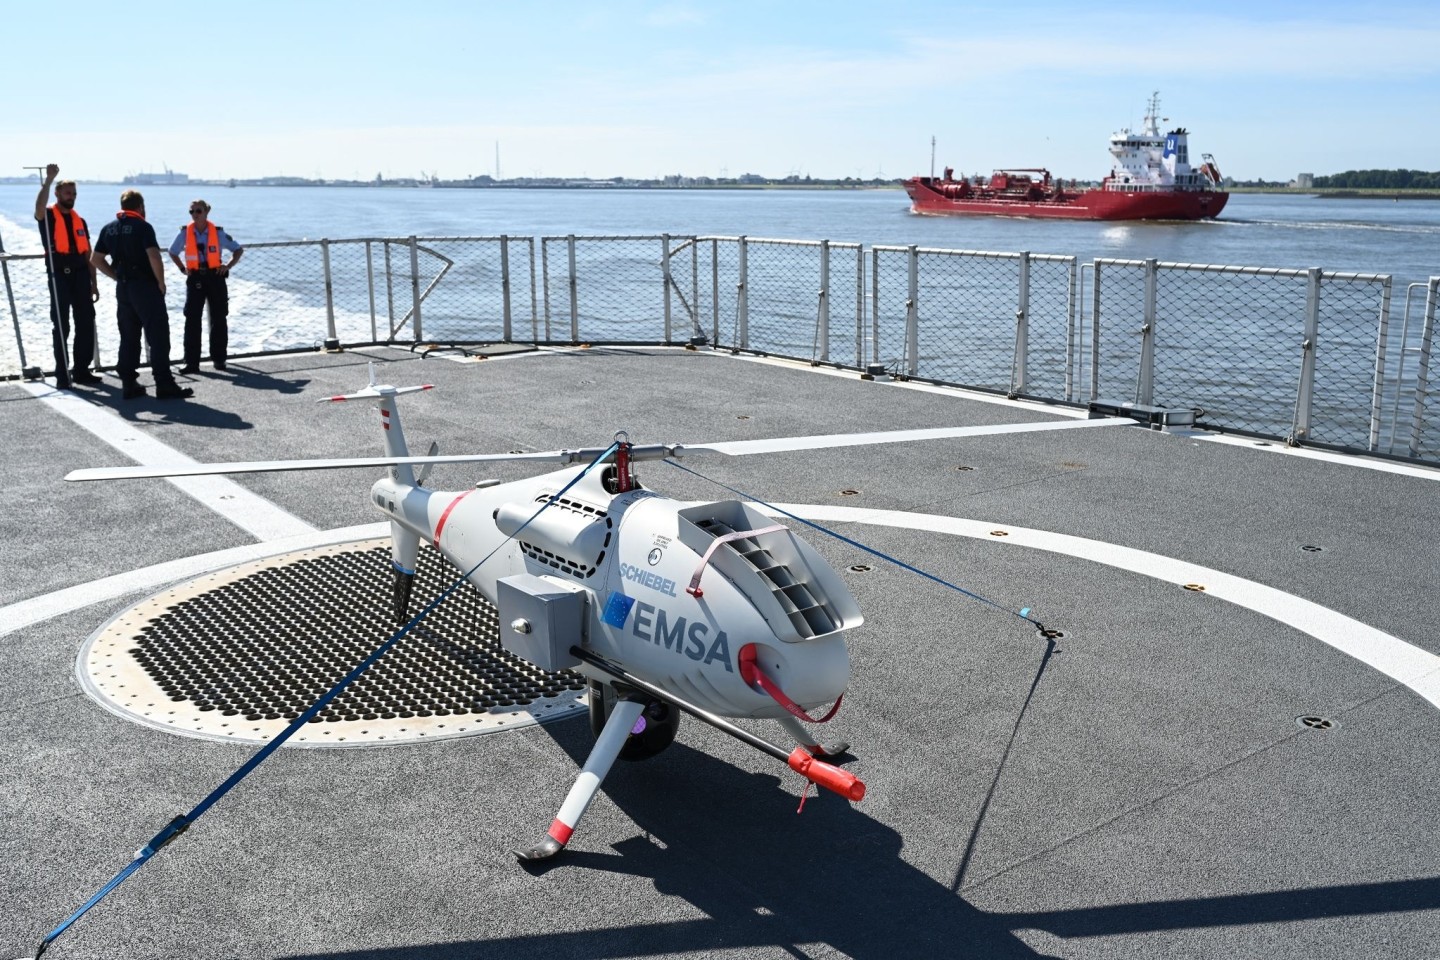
{"x": 960, "y": 320}
{"x": 27, "y": 315}
{"x": 1228, "y": 341}
{"x": 889, "y": 303}
{"x": 1115, "y": 310}
{"x": 1350, "y": 360}
{"x": 1410, "y": 421}
{"x": 614, "y": 289}
{"x": 1424, "y": 440}
{"x": 1051, "y": 344}
{"x": 790, "y": 298}
{"x": 718, "y": 308}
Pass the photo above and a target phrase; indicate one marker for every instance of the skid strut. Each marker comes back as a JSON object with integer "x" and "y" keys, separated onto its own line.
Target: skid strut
{"x": 822, "y": 774}
{"x": 607, "y": 747}
{"x": 622, "y": 721}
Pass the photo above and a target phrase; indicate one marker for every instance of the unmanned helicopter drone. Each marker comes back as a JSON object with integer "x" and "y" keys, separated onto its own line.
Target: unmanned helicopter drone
{"x": 666, "y": 607}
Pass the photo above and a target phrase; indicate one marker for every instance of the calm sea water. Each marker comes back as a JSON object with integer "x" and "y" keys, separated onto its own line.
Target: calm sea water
{"x": 1366, "y": 236}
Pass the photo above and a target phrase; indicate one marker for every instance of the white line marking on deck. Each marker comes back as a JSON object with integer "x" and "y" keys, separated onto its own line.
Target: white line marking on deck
{"x": 254, "y": 514}
{"x": 1400, "y": 661}
{"x": 27, "y": 612}
{"x": 1403, "y": 662}
{"x": 739, "y": 448}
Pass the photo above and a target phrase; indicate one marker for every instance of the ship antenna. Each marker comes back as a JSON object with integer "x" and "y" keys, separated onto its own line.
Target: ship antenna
{"x": 932, "y": 156}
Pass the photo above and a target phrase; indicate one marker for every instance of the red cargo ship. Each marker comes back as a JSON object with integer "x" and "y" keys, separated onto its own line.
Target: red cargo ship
{"x": 1151, "y": 179}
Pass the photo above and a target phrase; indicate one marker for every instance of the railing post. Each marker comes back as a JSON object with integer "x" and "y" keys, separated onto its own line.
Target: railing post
{"x": 415, "y": 286}
{"x": 912, "y": 315}
{"x": 574, "y": 291}
{"x": 1145, "y": 381}
{"x": 534, "y": 300}
{"x": 1074, "y": 301}
{"x": 695, "y": 287}
{"x": 505, "y": 286}
{"x": 15, "y": 319}
{"x": 1305, "y": 395}
{"x": 742, "y": 306}
{"x": 370, "y": 285}
{"x": 389, "y": 296}
{"x": 859, "y": 305}
{"x": 1422, "y": 376}
{"x": 822, "y": 317}
{"x": 1095, "y": 337}
{"x": 715, "y": 291}
{"x": 1022, "y": 329}
{"x": 874, "y": 305}
{"x": 665, "y": 280}
{"x": 332, "y": 340}
{"x": 545, "y": 282}
{"x": 1377, "y": 389}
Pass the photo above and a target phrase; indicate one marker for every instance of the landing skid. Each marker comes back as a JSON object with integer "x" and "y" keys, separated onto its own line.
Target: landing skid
{"x": 602, "y": 757}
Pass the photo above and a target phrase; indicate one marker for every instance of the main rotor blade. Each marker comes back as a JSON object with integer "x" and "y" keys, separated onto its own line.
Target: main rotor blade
{"x": 743, "y": 448}
{"x": 348, "y": 463}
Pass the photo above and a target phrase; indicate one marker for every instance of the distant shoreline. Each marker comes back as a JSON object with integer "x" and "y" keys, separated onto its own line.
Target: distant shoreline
{"x": 1343, "y": 193}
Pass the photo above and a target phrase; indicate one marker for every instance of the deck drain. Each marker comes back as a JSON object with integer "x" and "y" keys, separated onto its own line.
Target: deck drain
{"x": 1315, "y": 723}
{"x": 849, "y": 493}
{"x": 1311, "y": 548}
{"x": 1048, "y": 634}
{"x": 1195, "y": 587}
{"x": 238, "y": 654}
{"x": 862, "y": 568}
{"x": 964, "y": 469}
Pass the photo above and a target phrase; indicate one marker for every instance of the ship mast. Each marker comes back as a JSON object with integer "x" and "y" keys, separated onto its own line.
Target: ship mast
{"x": 1152, "y": 115}
{"x": 932, "y": 156}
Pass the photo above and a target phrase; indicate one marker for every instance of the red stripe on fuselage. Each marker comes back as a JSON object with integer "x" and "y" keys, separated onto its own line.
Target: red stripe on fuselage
{"x": 439, "y": 527}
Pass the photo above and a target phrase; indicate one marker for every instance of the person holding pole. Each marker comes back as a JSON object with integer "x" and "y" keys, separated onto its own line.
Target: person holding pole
{"x": 73, "y": 290}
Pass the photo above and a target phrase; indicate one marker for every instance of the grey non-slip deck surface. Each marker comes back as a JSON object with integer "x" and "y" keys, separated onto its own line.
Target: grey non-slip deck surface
{"x": 1139, "y": 788}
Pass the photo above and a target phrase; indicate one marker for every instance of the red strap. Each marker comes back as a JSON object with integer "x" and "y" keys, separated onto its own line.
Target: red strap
{"x": 694, "y": 588}
{"x": 751, "y": 673}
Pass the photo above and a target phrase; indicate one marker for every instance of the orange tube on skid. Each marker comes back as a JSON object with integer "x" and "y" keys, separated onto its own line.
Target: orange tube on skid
{"x": 826, "y": 775}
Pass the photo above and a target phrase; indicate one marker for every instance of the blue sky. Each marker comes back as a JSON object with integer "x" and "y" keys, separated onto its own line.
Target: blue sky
{"x": 321, "y": 89}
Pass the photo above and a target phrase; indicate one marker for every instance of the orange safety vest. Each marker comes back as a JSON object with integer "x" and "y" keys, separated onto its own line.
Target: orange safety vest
{"x": 73, "y": 238}
{"x": 212, "y": 247}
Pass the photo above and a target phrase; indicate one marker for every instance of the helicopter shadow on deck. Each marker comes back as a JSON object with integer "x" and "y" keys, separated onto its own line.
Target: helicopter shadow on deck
{"x": 727, "y": 842}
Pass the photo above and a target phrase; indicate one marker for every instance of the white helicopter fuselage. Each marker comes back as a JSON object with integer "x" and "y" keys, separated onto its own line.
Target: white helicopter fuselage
{"x": 634, "y": 556}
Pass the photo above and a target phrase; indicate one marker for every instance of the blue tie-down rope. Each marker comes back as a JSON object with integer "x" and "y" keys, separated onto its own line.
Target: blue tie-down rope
{"x": 1023, "y": 614}
{"x": 182, "y": 822}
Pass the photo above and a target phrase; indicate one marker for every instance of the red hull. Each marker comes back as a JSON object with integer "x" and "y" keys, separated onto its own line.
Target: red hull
{"x": 1088, "y": 205}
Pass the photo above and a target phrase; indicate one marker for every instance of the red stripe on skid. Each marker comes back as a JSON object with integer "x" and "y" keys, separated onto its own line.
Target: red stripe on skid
{"x": 560, "y": 833}
{"x": 446, "y": 516}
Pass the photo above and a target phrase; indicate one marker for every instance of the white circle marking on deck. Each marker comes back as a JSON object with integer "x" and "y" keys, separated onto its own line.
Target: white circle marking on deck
{"x": 1403, "y": 662}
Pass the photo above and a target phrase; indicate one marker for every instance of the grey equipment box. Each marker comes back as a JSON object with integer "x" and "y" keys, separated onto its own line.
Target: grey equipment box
{"x": 541, "y": 619}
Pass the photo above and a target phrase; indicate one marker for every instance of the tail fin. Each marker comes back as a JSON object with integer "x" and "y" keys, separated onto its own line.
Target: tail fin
{"x": 404, "y": 543}
{"x": 395, "y": 445}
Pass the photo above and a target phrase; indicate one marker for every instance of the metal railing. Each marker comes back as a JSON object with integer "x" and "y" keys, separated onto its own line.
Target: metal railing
{"x": 1306, "y": 356}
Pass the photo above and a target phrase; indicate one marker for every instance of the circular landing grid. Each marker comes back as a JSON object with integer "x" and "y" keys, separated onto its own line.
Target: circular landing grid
{"x": 239, "y": 654}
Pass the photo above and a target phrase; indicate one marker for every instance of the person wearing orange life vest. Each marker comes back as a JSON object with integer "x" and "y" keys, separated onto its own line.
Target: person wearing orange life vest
{"x": 73, "y": 291}
{"x": 203, "y": 243}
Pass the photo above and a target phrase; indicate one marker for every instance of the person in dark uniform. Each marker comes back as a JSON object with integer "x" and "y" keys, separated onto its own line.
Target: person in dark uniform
{"x": 134, "y": 264}
{"x": 73, "y": 290}
{"x": 202, "y": 243}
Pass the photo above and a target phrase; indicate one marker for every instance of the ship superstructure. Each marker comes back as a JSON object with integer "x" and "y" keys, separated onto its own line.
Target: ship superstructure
{"x": 1151, "y": 178}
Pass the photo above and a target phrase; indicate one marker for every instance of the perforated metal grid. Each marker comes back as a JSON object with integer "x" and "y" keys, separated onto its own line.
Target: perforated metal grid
{"x": 239, "y": 654}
